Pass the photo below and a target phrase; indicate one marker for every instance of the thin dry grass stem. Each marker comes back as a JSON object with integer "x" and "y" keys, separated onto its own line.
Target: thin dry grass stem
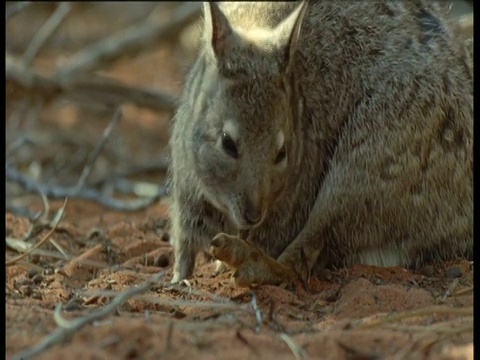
{"x": 436, "y": 310}
{"x": 296, "y": 349}
{"x": 59, "y": 248}
{"x": 117, "y": 116}
{"x": 257, "y": 312}
{"x": 45, "y": 32}
{"x": 78, "y": 260}
{"x": 129, "y": 41}
{"x": 46, "y": 207}
{"x": 43, "y": 240}
{"x": 71, "y": 266}
{"x": 463, "y": 292}
{"x": 38, "y": 219}
{"x": 67, "y": 328}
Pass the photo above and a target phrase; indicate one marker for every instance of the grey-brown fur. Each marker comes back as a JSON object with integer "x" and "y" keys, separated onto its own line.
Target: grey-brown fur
{"x": 375, "y": 102}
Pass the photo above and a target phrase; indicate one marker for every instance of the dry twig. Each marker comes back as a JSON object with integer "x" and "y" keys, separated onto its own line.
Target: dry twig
{"x": 45, "y": 238}
{"x": 72, "y": 265}
{"x": 449, "y": 290}
{"x": 16, "y": 8}
{"x": 86, "y": 88}
{"x": 258, "y": 313}
{"x": 67, "y": 328}
{"x": 13, "y": 174}
{"x": 129, "y": 41}
{"x": 94, "y": 155}
{"x": 296, "y": 349}
{"x": 45, "y": 32}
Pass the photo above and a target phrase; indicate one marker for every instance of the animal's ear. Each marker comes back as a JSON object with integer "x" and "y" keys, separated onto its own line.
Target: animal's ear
{"x": 218, "y": 33}
{"x": 286, "y": 34}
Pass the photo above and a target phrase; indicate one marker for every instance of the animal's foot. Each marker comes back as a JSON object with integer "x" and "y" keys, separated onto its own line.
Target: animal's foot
{"x": 250, "y": 264}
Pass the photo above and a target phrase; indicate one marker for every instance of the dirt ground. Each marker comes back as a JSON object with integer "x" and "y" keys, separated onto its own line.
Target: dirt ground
{"x": 95, "y": 253}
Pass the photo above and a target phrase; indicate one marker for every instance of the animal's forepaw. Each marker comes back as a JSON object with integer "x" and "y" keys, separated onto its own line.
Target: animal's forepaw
{"x": 229, "y": 249}
{"x": 250, "y": 264}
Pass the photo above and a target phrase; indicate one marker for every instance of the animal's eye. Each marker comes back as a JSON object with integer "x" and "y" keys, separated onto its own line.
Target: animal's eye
{"x": 281, "y": 155}
{"x": 229, "y": 145}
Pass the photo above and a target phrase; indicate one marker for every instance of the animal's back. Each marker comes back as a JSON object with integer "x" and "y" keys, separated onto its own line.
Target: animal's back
{"x": 403, "y": 63}
{"x": 382, "y": 169}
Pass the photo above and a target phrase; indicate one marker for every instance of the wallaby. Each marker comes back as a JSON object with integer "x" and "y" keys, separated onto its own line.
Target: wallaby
{"x": 325, "y": 133}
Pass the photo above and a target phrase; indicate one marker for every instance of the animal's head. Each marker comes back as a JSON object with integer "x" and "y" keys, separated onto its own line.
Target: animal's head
{"x": 239, "y": 101}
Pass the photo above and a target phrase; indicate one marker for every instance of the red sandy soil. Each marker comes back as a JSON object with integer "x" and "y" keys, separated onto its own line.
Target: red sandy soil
{"x": 351, "y": 313}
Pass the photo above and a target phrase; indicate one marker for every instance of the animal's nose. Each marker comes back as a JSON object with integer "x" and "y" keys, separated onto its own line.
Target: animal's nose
{"x": 253, "y": 213}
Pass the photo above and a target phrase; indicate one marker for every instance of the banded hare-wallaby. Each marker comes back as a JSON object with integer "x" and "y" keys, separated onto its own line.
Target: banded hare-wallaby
{"x": 325, "y": 133}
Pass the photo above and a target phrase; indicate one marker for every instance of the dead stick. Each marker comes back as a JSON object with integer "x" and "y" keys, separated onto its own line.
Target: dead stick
{"x": 131, "y": 40}
{"x": 94, "y": 155}
{"x": 45, "y": 32}
{"x": 67, "y": 328}
{"x": 79, "y": 260}
{"x": 89, "y": 194}
{"x": 45, "y": 238}
{"x": 16, "y": 8}
{"x": 92, "y": 88}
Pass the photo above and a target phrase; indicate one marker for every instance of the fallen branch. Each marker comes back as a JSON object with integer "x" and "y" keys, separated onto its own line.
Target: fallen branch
{"x": 86, "y": 88}
{"x": 129, "y": 41}
{"x": 67, "y": 328}
{"x": 52, "y": 191}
